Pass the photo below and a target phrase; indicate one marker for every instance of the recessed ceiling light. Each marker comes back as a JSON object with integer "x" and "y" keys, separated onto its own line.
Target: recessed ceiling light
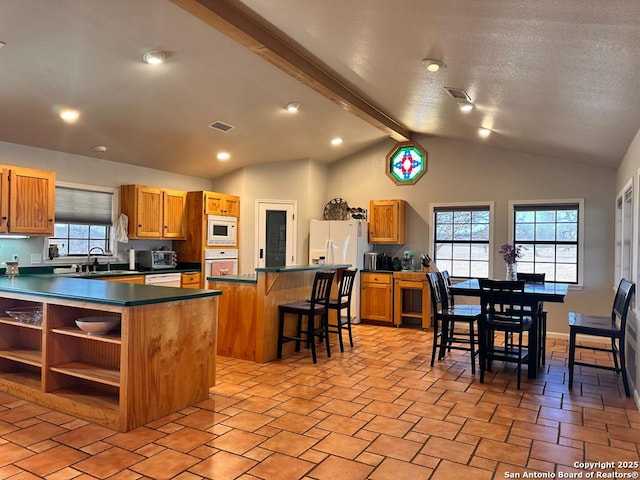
{"x": 433, "y": 65}
{"x": 223, "y": 156}
{"x": 484, "y": 132}
{"x": 69, "y": 116}
{"x": 99, "y": 148}
{"x": 292, "y": 107}
{"x": 336, "y": 141}
{"x": 153, "y": 57}
{"x": 465, "y": 106}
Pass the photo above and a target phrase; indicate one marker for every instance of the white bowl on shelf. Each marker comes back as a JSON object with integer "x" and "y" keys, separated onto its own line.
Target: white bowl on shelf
{"x": 97, "y": 325}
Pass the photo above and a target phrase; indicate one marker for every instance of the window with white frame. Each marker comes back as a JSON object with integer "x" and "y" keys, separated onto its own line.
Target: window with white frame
{"x": 624, "y": 233}
{"x": 84, "y": 219}
{"x": 551, "y": 236}
{"x": 462, "y": 239}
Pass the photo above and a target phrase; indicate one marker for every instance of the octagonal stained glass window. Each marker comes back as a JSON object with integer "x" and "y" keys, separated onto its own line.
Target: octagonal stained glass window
{"x": 406, "y": 163}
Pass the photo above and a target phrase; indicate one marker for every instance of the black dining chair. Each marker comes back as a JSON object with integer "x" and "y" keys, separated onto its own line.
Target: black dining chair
{"x": 317, "y": 306}
{"x": 445, "y": 316}
{"x": 611, "y": 327}
{"x": 505, "y": 309}
{"x": 533, "y": 278}
{"x": 342, "y": 302}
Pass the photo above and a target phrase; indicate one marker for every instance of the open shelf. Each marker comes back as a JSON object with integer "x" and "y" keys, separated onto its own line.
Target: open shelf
{"x": 90, "y": 372}
{"x": 30, "y": 357}
{"x": 113, "y": 337}
{"x": 93, "y": 397}
{"x": 11, "y": 321}
{"x": 23, "y": 378}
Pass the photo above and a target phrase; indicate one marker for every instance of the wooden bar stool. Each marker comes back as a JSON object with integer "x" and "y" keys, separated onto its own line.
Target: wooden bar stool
{"x": 317, "y": 306}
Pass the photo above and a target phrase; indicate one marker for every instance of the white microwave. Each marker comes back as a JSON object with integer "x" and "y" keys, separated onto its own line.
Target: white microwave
{"x": 221, "y": 231}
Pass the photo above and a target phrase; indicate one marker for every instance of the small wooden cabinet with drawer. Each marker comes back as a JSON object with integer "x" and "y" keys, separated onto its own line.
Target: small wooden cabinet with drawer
{"x": 190, "y": 280}
{"x": 376, "y": 297}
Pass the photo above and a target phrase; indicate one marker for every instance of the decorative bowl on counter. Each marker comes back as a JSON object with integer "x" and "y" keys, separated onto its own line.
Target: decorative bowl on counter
{"x": 31, "y": 315}
{"x": 97, "y": 325}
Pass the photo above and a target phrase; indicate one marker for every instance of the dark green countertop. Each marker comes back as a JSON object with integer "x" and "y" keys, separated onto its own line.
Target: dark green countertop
{"x": 253, "y": 277}
{"x": 89, "y": 290}
{"x": 299, "y": 268}
{"x": 247, "y": 278}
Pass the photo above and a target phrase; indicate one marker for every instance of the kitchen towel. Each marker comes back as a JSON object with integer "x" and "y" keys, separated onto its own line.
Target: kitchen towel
{"x": 122, "y": 227}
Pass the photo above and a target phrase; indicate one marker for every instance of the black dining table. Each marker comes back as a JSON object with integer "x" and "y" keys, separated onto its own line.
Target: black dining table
{"x": 540, "y": 292}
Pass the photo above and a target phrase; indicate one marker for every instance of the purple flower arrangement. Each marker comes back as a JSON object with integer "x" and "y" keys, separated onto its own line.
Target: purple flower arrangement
{"x": 511, "y": 253}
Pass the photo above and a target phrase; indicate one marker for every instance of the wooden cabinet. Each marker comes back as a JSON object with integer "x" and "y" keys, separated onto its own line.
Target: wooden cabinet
{"x": 110, "y": 379}
{"x": 27, "y": 201}
{"x": 412, "y": 299}
{"x": 221, "y": 204}
{"x": 137, "y": 279}
{"x": 154, "y": 212}
{"x": 387, "y": 221}
{"x": 376, "y": 297}
{"x": 190, "y": 280}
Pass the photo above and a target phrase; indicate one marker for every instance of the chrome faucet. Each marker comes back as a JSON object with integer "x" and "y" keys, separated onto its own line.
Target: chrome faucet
{"x": 95, "y": 264}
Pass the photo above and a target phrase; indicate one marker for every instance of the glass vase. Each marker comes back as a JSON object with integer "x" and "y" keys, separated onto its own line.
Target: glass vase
{"x": 512, "y": 271}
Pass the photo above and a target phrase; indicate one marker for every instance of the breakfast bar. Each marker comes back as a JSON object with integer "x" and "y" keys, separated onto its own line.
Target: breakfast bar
{"x": 248, "y": 311}
{"x": 160, "y": 360}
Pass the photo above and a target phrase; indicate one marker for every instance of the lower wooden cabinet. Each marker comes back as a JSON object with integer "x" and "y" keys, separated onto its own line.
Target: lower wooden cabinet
{"x": 376, "y": 297}
{"x": 190, "y": 280}
{"x": 138, "y": 279}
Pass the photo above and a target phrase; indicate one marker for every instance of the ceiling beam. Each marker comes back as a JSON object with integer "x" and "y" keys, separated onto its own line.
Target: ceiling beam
{"x": 242, "y": 25}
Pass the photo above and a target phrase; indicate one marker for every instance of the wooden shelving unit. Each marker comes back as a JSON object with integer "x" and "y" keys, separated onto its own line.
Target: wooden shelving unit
{"x": 109, "y": 379}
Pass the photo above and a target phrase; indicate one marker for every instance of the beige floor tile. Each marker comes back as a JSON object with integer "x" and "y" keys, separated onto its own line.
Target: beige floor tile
{"x": 281, "y": 467}
{"x": 341, "y": 424}
{"x": 289, "y": 443}
{"x": 394, "y": 447}
{"x": 375, "y": 411}
{"x": 342, "y": 445}
{"x": 185, "y": 439}
{"x": 237, "y": 441}
{"x": 396, "y": 469}
{"x": 223, "y": 466}
{"x": 108, "y": 463}
{"x": 165, "y": 465}
{"x": 336, "y": 468}
{"x": 447, "y": 470}
{"x": 51, "y": 460}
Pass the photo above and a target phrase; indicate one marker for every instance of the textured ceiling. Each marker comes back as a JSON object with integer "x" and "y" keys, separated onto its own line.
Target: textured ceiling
{"x": 548, "y": 77}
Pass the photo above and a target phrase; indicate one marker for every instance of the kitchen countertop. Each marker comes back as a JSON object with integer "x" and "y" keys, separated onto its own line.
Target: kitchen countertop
{"x": 253, "y": 277}
{"x": 298, "y": 268}
{"x": 87, "y": 290}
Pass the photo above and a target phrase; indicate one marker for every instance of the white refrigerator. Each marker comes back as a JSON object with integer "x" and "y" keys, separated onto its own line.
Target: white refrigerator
{"x": 341, "y": 241}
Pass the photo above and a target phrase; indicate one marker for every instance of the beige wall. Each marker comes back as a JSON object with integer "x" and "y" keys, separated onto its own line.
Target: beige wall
{"x": 630, "y": 168}
{"x": 459, "y": 171}
{"x": 303, "y": 181}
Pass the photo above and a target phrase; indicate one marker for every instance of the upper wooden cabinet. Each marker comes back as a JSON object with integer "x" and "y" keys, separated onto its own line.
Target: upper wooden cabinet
{"x": 221, "y": 204}
{"x": 387, "y": 221}
{"x": 154, "y": 212}
{"x": 27, "y": 200}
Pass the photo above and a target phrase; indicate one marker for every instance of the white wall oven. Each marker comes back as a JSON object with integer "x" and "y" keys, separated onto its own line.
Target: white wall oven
{"x": 221, "y": 231}
{"x": 220, "y": 262}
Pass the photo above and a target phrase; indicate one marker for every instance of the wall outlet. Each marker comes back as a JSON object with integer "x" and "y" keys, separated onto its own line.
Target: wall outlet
{"x": 36, "y": 258}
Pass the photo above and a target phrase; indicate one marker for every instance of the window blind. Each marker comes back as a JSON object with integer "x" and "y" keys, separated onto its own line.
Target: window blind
{"x": 86, "y": 207}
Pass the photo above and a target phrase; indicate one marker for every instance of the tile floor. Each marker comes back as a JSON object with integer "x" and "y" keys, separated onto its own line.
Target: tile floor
{"x": 377, "y": 411}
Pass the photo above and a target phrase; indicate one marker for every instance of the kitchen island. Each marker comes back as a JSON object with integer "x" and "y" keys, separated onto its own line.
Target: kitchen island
{"x": 161, "y": 359}
{"x": 248, "y": 310}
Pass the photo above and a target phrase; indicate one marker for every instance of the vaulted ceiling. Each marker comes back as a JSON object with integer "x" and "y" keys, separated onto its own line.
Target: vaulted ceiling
{"x": 546, "y": 77}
